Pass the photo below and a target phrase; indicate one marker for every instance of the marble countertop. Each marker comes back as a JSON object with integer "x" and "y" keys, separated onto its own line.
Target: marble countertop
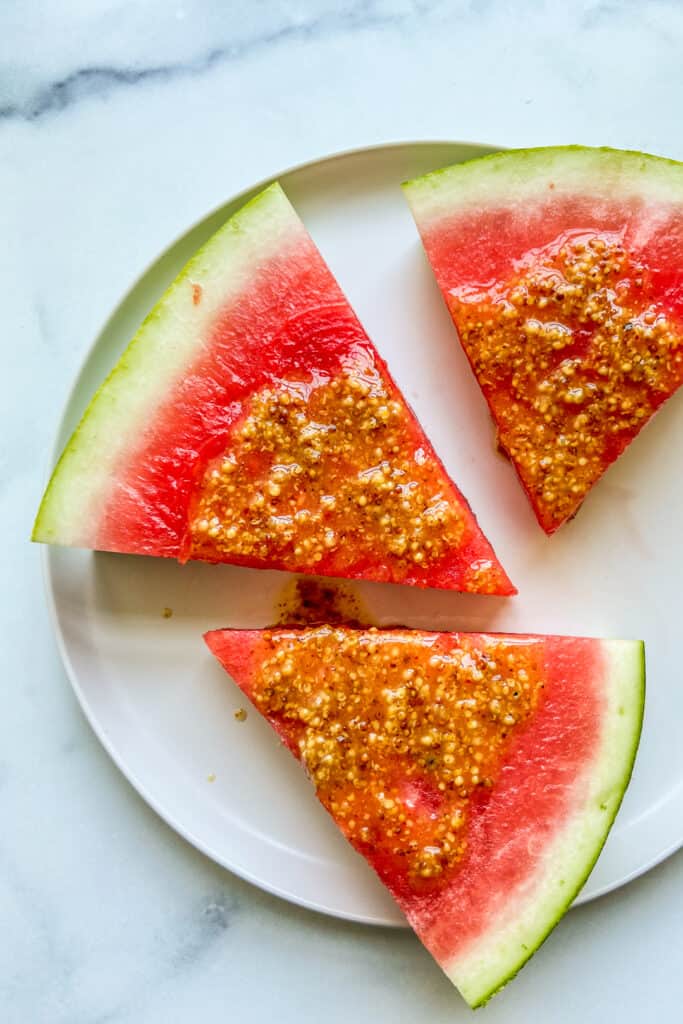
{"x": 120, "y": 124}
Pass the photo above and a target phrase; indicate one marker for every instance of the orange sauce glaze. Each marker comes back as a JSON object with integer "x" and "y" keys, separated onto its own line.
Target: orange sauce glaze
{"x": 575, "y": 335}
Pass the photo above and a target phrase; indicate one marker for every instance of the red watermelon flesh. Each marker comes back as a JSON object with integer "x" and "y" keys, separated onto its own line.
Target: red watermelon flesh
{"x": 563, "y": 271}
{"x": 252, "y": 421}
{"x": 479, "y": 774}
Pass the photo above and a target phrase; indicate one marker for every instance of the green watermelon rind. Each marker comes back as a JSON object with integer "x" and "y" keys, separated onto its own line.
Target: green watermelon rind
{"x": 515, "y": 176}
{"x": 168, "y": 341}
{"x": 497, "y": 958}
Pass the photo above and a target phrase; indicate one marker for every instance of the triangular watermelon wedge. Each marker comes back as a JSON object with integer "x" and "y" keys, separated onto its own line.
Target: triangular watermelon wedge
{"x": 563, "y": 271}
{"x": 479, "y": 774}
{"x": 252, "y": 421}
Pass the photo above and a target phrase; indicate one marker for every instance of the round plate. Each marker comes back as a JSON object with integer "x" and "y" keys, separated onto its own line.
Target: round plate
{"x": 164, "y": 709}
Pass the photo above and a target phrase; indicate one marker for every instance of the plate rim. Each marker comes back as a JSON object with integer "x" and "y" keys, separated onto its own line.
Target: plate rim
{"x": 98, "y": 728}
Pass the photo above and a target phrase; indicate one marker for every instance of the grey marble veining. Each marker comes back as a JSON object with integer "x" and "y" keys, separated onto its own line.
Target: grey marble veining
{"x": 121, "y": 124}
{"x": 266, "y": 27}
{"x": 129, "y": 45}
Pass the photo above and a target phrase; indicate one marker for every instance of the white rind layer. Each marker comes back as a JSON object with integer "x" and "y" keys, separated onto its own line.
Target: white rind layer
{"x": 170, "y": 339}
{"x": 496, "y": 956}
{"x": 517, "y": 177}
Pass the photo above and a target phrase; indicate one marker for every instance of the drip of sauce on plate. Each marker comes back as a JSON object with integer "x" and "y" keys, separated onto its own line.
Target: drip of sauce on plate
{"x": 307, "y": 601}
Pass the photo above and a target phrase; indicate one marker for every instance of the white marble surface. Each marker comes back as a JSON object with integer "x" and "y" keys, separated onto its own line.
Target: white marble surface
{"x": 120, "y": 123}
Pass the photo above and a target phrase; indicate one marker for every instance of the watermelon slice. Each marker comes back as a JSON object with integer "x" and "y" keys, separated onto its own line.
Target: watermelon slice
{"x": 479, "y": 774}
{"x": 252, "y": 421}
{"x": 563, "y": 271}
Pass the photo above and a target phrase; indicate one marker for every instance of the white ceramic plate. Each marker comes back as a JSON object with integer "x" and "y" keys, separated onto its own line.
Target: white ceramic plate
{"x": 164, "y": 709}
